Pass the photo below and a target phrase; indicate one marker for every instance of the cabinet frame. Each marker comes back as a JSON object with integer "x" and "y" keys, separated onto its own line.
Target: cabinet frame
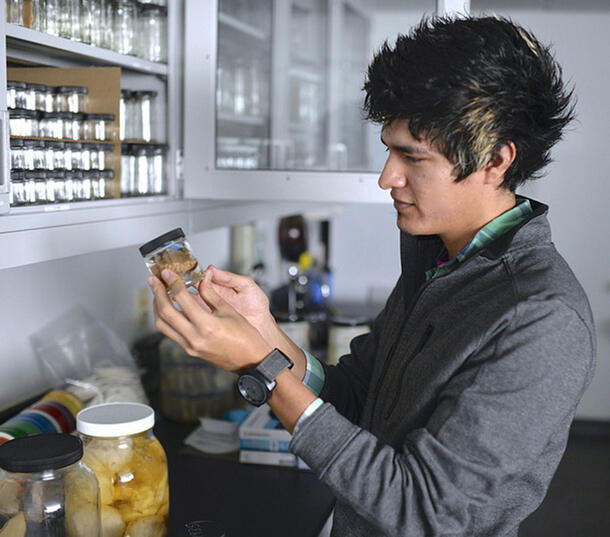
{"x": 203, "y": 179}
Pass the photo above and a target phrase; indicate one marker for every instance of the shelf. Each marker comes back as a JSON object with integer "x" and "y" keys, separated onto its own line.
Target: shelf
{"x": 243, "y": 119}
{"x": 65, "y": 140}
{"x": 87, "y": 227}
{"x": 242, "y": 27}
{"x": 30, "y": 45}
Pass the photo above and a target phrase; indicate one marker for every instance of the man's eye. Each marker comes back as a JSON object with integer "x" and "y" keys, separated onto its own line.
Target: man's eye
{"x": 411, "y": 159}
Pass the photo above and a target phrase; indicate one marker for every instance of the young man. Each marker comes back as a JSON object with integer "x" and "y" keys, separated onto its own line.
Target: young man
{"x": 451, "y": 416}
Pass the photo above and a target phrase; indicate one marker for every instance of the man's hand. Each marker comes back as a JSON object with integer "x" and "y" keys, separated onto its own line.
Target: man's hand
{"x": 245, "y": 296}
{"x": 208, "y": 326}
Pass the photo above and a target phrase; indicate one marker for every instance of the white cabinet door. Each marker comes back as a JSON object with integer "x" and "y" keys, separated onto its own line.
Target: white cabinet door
{"x": 270, "y": 111}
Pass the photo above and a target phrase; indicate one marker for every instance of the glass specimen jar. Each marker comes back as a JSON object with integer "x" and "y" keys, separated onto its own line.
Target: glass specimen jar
{"x": 17, "y": 194}
{"x": 77, "y": 185}
{"x": 73, "y": 125}
{"x": 42, "y": 97}
{"x": 57, "y": 178}
{"x": 71, "y": 99}
{"x": 68, "y": 191}
{"x": 76, "y": 151}
{"x": 106, "y": 179}
{"x": 152, "y": 21}
{"x": 40, "y": 185}
{"x": 172, "y": 251}
{"x": 17, "y": 155}
{"x": 99, "y": 127}
{"x": 128, "y": 170}
{"x": 52, "y": 16}
{"x": 15, "y": 94}
{"x": 14, "y": 11}
{"x": 51, "y": 125}
{"x": 23, "y": 122}
{"x": 142, "y": 156}
{"x": 87, "y": 155}
{"x": 94, "y": 175}
{"x": 144, "y": 115}
{"x": 59, "y": 155}
{"x": 34, "y": 156}
{"x": 49, "y": 156}
{"x": 158, "y": 180}
{"x": 47, "y": 489}
{"x": 125, "y": 16}
{"x": 130, "y": 465}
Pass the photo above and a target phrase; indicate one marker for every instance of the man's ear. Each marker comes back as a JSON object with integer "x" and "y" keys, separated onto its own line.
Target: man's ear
{"x": 496, "y": 168}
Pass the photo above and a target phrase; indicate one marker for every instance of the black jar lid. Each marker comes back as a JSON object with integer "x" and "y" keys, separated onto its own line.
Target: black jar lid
{"x": 145, "y": 93}
{"x": 36, "y": 175}
{"x": 90, "y": 146}
{"x": 72, "y": 89}
{"x": 65, "y": 115}
{"x": 16, "y": 142}
{"x": 33, "y": 143}
{"x": 56, "y": 144}
{"x": 152, "y": 245}
{"x": 40, "y": 452}
{"x": 107, "y": 174}
{"x": 17, "y": 84}
{"x": 17, "y": 175}
{"x": 75, "y": 146}
{"x": 104, "y": 117}
{"x": 75, "y": 174}
{"x": 152, "y": 7}
{"x": 127, "y": 93}
{"x": 22, "y": 112}
{"x": 51, "y": 115}
{"x": 37, "y": 87}
{"x": 57, "y": 174}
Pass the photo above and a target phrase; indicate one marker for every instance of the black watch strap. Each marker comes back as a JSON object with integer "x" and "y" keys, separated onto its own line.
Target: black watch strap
{"x": 273, "y": 364}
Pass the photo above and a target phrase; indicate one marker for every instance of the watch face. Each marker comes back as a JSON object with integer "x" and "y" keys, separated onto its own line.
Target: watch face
{"x": 253, "y": 390}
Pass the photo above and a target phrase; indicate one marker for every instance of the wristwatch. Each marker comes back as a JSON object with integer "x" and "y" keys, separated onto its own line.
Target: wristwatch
{"x": 255, "y": 384}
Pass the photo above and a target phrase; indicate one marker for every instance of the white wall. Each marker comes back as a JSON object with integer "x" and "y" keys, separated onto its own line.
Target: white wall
{"x": 105, "y": 283}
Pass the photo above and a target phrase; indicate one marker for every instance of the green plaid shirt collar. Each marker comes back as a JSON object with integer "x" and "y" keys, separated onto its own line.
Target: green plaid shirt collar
{"x": 498, "y": 226}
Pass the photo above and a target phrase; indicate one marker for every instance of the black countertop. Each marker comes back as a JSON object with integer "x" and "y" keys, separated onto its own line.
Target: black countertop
{"x": 249, "y": 500}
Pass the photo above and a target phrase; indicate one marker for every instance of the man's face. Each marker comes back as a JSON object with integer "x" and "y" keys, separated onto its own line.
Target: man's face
{"x": 422, "y": 183}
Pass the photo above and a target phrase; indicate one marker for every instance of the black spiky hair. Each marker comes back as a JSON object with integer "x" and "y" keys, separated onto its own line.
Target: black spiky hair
{"x": 470, "y": 85}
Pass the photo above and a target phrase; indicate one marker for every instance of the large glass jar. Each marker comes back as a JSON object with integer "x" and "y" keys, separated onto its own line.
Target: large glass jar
{"x": 71, "y": 99}
{"x": 69, "y": 19}
{"x": 17, "y": 154}
{"x": 144, "y": 115}
{"x": 125, "y": 26}
{"x": 99, "y": 127}
{"x": 152, "y": 32}
{"x": 130, "y": 466}
{"x": 17, "y": 194}
{"x": 47, "y": 489}
{"x": 52, "y": 16}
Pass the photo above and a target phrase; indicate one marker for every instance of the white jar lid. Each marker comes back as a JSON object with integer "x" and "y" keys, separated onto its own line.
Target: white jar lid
{"x": 115, "y": 419}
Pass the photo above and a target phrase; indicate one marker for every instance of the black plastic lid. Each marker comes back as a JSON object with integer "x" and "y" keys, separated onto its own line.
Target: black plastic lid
{"x": 75, "y": 174}
{"x": 57, "y": 174}
{"x": 35, "y": 174}
{"x": 152, "y": 245}
{"x": 40, "y": 452}
{"x": 76, "y": 146}
{"x": 152, "y": 7}
{"x": 72, "y": 89}
{"x": 22, "y": 112}
{"x": 16, "y": 84}
{"x": 65, "y": 115}
{"x": 91, "y": 146}
{"x": 105, "y": 117}
{"x": 37, "y": 87}
{"x": 33, "y": 143}
{"x": 56, "y": 144}
{"x": 107, "y": 174}
{"x": 145, "y": 93}
{"x": 17, "y": 175}
{"x": 126, "y": 93}
{"x": 16, "y": 142}
{"x": 51, "y": 115}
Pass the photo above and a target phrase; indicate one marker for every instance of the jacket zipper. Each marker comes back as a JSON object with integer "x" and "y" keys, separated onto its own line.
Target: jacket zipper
{"x": 418, "y": 348}
{"x": 386, "y": 365}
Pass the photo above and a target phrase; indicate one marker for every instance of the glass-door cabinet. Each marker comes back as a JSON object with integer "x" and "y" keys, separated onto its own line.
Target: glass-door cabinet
{"x": 273, "y": 101}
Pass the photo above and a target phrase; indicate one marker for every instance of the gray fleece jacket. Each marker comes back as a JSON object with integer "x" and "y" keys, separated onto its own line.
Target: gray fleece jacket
{"x": 451, "y": 416}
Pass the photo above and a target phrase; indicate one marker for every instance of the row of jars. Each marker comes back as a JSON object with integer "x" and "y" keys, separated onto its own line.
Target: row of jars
{"x": 45, "y": 98}
{"x": 51, "y": 155}
{"x": 61, "y": 125}
{"x": 33, "y": 187}
{"x": 125, "y": 26}
{"x": 143, "y": 169}
{"x": 137, "y": 116}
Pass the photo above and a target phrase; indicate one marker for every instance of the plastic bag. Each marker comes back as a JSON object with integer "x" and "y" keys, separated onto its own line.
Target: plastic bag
{"x": 82, "y": 355}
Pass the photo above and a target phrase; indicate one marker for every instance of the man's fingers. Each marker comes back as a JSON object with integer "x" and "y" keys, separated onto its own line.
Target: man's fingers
{"x": 228, "y": 279}
{"x": 179, "y": 293}
{"x": 166, "y": 329}
{"x": 209, "y": 294}
{"x": 167, "y": 312}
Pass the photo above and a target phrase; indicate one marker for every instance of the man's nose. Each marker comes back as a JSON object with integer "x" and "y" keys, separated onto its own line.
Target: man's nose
{"x": 392, "y": 176}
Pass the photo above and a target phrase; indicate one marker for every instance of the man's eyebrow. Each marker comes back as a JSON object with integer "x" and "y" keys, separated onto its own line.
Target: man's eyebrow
{"x": 409, "y": 149}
